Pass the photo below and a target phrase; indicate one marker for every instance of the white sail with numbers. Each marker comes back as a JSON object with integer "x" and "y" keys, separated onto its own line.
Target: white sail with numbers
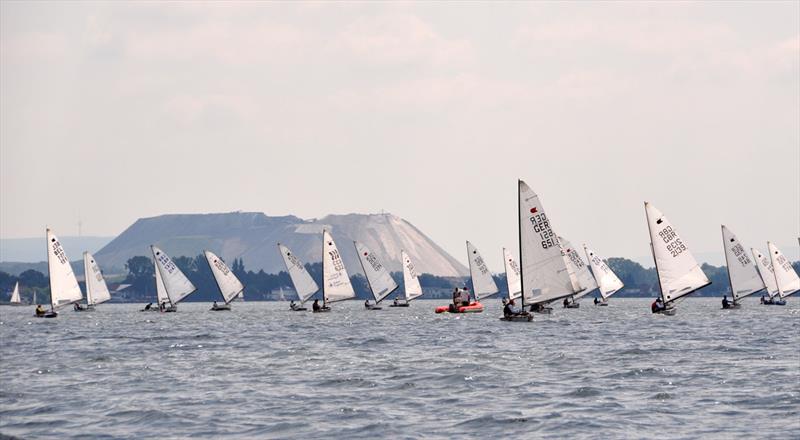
{"x": 482, "y": 282}
{"x": 96, "y": 288}
{"x": 412, "y": 288}
{"x": 586, "y": 281}
{"x": 380, "y": 281}
{"x": 64, "y": 288}
{"x": 305, "y": 286}
{"x": 228, "y": 283}
{"x": 766, "y": 272}
{"x": 513, "y": 281}
{"x": 335, "y": 281}
{"x": 607, "y": 281}
{"x": 785, "y": 276}
{"x": 742, "y": 273}
{"x": 175, "y": 282}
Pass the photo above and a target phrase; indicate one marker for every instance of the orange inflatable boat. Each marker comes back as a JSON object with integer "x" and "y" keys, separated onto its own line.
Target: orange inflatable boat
{"x": 473, "y": 307}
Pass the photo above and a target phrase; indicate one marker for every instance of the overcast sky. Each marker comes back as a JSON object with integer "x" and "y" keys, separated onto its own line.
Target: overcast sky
{"x": 115, "y": 111}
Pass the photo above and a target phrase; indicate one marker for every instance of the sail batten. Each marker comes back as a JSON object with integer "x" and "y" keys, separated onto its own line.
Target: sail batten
{"x": 411, "y": 286}
{"x": 380, "y": 281}
{"x": 482, "y": 282}
{"x": 607, "y": 281}
{"x": 678, "y": 271}
{"x": 785, "y": 276}
{"x": 545, "y": 277}
{"x": 176, "y": 284}
{"x": 513, "y": 281}
{"x": 304, "y": 285}
{"x": 96, "y": 288}
{"x": 335, "y": 281}
{"x": 742, "y": 274}
{"x": 64, "y": 288}
{"x": 228, "y": 283}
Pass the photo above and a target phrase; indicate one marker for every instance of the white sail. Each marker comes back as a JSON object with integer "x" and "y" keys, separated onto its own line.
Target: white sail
{"x": 678, "y": 271}
{"x": 176, "y": 284}
{"x": 15, "y": 299}
{"x": 411, "y": 284}
{"x": 380, "y": 281}
{"x": 96, "y": 288}
{"x": 335, "y": 281}
{"x": 586, "y": 280}
{"x": 785, "y": 276}
{"x": 607, "y": 281}
{"x": 229, "y": 285}
{"x": 305, "y": 286}
{"x": 766, "y": 272}
{"x": 64, "y": 288}
{"x": 544, "y": 271}
{"x": 161, "y": 291}
{"x": 482, "y": 282}
{"x": 513, "y": 281}
{"x": 742, "y": 273}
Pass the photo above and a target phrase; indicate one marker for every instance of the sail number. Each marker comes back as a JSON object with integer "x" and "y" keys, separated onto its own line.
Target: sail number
{"x": 481, "y": 265}
{"x": 376, "y": 266}
{"x": 336, "y": 259}
{"x": 166, "y": 263}
{"x": 542, "y": 227}
{"x": 674, "y": 244}
{"x": 58, "y": 251}
{"x": 740, "y": 254}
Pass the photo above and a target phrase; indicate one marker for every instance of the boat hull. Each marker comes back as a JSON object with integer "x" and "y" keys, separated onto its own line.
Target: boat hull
{"x": 473, "y": 307}
{"x": 222, "y": 308}
{"x": 572, "y": 306}
{"x": 399, "y": 305}
{"x": 668, "y": 312}
{"x": 732, "y": 307}
{"x": 517, "y": 318}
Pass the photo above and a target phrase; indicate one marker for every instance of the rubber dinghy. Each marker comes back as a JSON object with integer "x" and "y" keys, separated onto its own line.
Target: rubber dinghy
{"x": 482, "y": 283}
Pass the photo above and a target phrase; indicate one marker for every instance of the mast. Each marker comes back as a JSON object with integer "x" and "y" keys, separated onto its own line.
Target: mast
{"x": 49, "y": 272}
{"x": 324, "y": 297}
{"x": 519, "y": 241}
{"x": 86, "y": 280}
{"x": 727, "y": 264}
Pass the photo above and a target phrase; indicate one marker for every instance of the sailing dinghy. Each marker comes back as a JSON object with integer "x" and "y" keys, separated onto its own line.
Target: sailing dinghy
{"x": 482, "y": 283}
{"x": 15, "y": 299}
{"x": 607, "y": 281}
{"x": 678, "y": 272}
{"x": 543, "y": 264}
{"x": 227, "y": 282}
{"x": 411, "y": 286}
{"x": 764, "y": 264}
{"x": 742, "y": 273}
{"x": 304, "y": 285}
{"x": 785, "y": 276}
{"x": 583, "y": 281}
{"x": 380, "y": 282}
{"x": 176, "y": 285}
{"x": 96, "y": 288}
{"x": 64, "y": 288}
{"x": 335, "y": 281}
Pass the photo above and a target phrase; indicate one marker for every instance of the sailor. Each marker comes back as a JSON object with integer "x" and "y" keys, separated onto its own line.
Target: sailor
{"x": 316, "y": 306}
{"x": 763, "y": 298}
{"x": 147, "y": 307}
{"x": 162, "y": 306}
{"x": 465, "y": 297}
{"x": 566, "y": 302}
{"x": 292, "y": 305}
{"x": 509, "y": 310}
{"x": 725, "y": 302}
{"x": 76, "y": 307}
{"x": 214, "y": 306}
{"x": 457, "y": 297}
{"x": 39, "y": 310}
{"x": 657, "y": 305}
{"x": 596, "y": 301}
{"x": 396, "y": 302}
{"x": 366, "y": 304}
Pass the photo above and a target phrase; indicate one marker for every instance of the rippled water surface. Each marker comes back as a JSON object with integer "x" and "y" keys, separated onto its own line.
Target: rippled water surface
{"x": 262, "y": 371}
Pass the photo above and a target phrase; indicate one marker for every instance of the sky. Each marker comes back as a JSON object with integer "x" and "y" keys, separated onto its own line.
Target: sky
{"x": 114, "y": 111}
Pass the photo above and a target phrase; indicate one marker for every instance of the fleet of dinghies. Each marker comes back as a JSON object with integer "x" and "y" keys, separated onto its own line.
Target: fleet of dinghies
{"x": 550, "y": 269}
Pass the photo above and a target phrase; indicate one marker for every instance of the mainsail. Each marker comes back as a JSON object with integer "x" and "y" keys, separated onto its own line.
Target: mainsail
{"x": 586, "y": 282}
{"x": 482, "y": 282}
{"x": 785, "y": 276}
{"x": 766, "y": 272}
{"x": 15, "y": 299}
{"x": 335, "y": 281}
{"x": 513, "y": 281}
{"x": 380, "y": 281}
{"x": 175, "y": 282}
{"x": 64, "y": 288}
{"x": 229, "y": 285}
{"x": 678, "y": 271}
{"x": 544, "y": 271}
{"x": 305, "y": 286}
{"x": 412, "y": 288}
{"x": 607, "y": 281}
{"x": 161, "y": 291}
{"x": 96, "y": 288}
{"x": 742, "y": 273}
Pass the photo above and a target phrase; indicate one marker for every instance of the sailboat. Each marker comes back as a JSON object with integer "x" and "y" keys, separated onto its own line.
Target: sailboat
{"x": 583, "y": 282}
{"x": 785, "y": 276}
{"x": 742, "y": 274}
{"x": 176, "y": 285}
{"x": 227, "y": 282}
{"x": 767, "y": 274}
{"x": 678, "y": 272}
{"x": 513, "y": 281}
{"x": 411, "y": 286}
{"x": 64, "y": 288}
{"x": 15, "y": 299}
{"x": 607, "y": 281}
{"x": 304, "y": 285}
{"x": 543, "y": 265}
{"x": 335, "y": 281}
{"x": 96, "y": 288}
{"x": 380, "y": 282}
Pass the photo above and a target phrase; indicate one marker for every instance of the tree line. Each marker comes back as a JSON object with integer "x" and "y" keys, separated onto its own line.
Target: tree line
{"x": 259, "y": 285}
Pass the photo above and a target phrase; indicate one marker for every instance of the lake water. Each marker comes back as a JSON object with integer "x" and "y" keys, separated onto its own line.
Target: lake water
{"x": 262, "y": 371}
